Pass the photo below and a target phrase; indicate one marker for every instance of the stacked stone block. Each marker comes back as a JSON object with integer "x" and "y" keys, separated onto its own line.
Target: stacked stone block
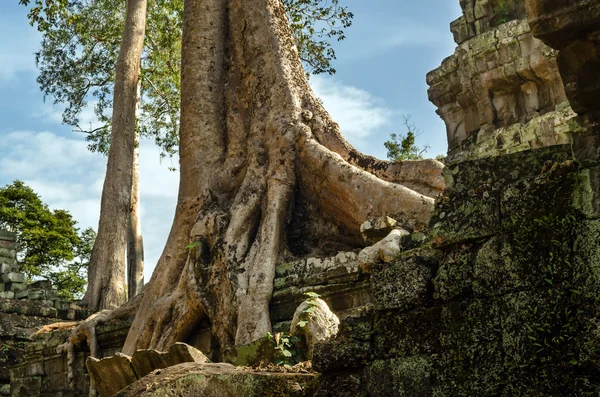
{"x": 502, "y": 302}
{"x": 11, "y": 281}
{"x": 501, "y": 91}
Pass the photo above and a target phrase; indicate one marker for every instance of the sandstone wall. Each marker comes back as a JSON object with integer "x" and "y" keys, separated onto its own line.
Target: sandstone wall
{"x": 24, "y": 308}
{"x": 43, "y": 369}
{"x": 503, "y": 301}
{"x": 501, "y": 91}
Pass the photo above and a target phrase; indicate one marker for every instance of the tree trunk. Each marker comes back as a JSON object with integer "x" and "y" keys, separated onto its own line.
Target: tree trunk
{"x": 135, "y": 241}
{"x": 260, "y": 160}
{"x": 106, "y": 274}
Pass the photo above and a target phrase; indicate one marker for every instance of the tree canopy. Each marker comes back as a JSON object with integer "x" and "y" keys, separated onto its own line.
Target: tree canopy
{"x": 402, "y": 147}
{"x": 80, "y": 46}
{"x": 49, "y": 244}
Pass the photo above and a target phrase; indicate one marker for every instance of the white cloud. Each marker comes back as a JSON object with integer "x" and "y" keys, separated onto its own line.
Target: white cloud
{"x": 49, "y": 114}
{"x": 67, "y": 176}
{"x": 358, "y": 113}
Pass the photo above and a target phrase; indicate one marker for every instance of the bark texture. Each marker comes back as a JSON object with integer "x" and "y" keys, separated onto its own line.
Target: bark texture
{"x": 264, "y": 169}
{"x": 135, "y": 240}
{"x": 106, "y": 275}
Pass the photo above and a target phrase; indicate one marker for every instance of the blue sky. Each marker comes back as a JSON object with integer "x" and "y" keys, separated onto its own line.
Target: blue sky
{"x": 381, "y": 77}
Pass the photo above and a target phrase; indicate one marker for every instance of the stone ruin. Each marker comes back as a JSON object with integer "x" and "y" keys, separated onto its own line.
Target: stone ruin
{"x": 24, "y": 308}
{"x": 500, "y": 297}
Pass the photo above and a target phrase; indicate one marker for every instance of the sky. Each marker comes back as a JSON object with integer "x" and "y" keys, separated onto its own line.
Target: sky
{"x": 381, "y": 68}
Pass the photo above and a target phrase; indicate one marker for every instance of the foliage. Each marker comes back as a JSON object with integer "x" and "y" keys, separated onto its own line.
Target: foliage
{"x": 81, "y": 44}
{"x": 310, "y": 308}
{"x": 313, "y": 23}
{"x": 44, "y": 13}
{"x": 402, "y": 147}
{"x": 287, "y": 345}
{"x": 49, "y": 244}
{"x": 290, "y": 346}
{"x": 503, "y": 13}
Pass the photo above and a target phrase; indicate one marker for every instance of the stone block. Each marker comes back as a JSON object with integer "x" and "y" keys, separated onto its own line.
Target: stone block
{"x": 111, "y": 374}
{"x": 404, "y": 283}
{"x": 454, "y": 275}
{"x": 375, "y": 230}
{"x": 406, "y": 377}
{"x": 15, "y": 287}
{"x": 30, "y": 386}
{"x": 146, "y": 361}
{"x": 7, "y": 295}
{"x": 7, "y": 267}
{"x": 7, "y": 252}
{"x": 192, "y": 379}
{"x": 413, "y": 333}
{"x": 36, "y": 294}
{"x": 8, "y": 261}
{"x": 24, "y": 294}
{"x": 114, "y": 373}
{"x": 41, "y": 284}
{"x": 8, "y": 236}
{"x": 13, "y": 278}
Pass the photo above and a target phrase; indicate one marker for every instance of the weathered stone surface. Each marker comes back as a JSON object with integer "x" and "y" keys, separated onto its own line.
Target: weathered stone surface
{"x": 573, "y": 28}
{"x": 8, "y": 236}
{"x": 111, "y": 374}
{"x": 13, "y": 278}
{"x": 375, "y": 230}
{"x": 339, "y": 297}
{"x": 7, "y": 267}
{"x": 496, "y": 86}
{"x": 482, "y": 16}
{"x": 315, "y": 322}
{"x": 220, "y": 380}
{"x": 340, "y": 268}
{"x": 386, "y": 250}
{"x": 404, "y": 283}
{"x": 146, "y": 361}
{"x": 15, "y": 287}
{"x": 41, "y": 284}
{"x": 410, "y": 377}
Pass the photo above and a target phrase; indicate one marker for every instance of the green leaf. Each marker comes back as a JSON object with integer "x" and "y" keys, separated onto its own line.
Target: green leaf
{"x": 286, "y": 353}
{"x": 193, "y": 245}
{"x": 302, "y": 323}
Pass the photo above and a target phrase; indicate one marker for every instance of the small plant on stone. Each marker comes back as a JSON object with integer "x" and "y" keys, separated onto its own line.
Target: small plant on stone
{"x": 312, "y": 306}
{"x": 504, "y": 13}
{"x": 286, "y": 345}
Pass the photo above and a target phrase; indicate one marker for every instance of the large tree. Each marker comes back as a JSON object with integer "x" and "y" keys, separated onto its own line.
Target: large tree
{"x": 265, "y": 175}
{"x": 106, "y": 281}
{"x": 79, "y": 49}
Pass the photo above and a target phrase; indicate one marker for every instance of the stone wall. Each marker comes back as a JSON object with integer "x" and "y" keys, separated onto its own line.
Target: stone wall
{"x": 24, "y": 308}
{"x": 503, "y": 301}
{"x": 43, "y": 369}
{"x": 501, "y": 91}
